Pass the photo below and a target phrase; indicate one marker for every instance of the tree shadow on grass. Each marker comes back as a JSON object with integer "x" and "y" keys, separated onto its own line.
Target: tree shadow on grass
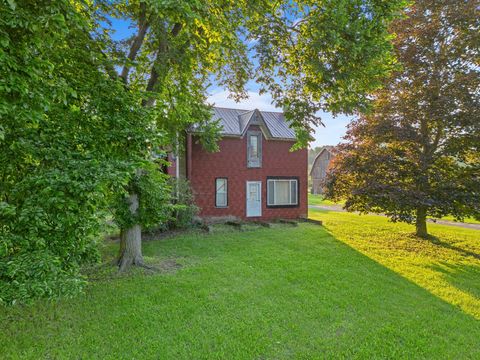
{"x": 459, "y": 289}
{"x": 436, "y": 241}
{"x": 296, "y": 293}
{"x": 462, "y": 276}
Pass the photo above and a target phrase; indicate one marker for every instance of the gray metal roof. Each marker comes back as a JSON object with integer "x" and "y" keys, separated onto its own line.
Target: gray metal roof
{"x": 235, "y": 121}
{"x": 244, "y": 120}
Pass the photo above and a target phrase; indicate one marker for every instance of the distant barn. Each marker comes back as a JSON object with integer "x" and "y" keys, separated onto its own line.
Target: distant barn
{"x": 320, "y": 167}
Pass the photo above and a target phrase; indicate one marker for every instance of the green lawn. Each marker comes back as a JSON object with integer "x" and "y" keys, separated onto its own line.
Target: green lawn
{"x": 358, "y": 288}
{"x": 468, "y": 220}
{"x": 319, "y": 200}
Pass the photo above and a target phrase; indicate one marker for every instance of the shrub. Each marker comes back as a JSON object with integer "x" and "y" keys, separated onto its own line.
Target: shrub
{"x": 155, "y": 202}
{"x": 186, "y": 210}
{"x": 48, "y": 230}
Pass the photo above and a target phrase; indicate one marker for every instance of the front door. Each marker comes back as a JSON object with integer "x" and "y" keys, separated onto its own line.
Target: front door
{"x": 254, "y": 198}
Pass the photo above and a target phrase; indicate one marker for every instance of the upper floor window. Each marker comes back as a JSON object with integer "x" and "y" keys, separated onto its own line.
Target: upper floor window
{"x": 254, "y": 149}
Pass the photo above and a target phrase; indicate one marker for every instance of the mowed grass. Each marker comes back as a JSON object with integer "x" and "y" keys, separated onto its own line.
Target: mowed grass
{"x": 319, "y": 200}
{"x": 468, "y": 220}
{"x": 359, "y": 287}
{"x": 447, "y": 264}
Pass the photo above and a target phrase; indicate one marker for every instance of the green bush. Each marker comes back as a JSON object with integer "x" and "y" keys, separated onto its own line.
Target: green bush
{"x": 186, "y": 210}
{"x": 154, "y": 195}
{"x": 70, "y": 136}
{"x": 48, "y": 231}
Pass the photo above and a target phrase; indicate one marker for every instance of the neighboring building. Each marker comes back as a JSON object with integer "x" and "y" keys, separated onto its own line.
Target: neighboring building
{"x": 320, "y": 168}
{"x": 254, "y": 176}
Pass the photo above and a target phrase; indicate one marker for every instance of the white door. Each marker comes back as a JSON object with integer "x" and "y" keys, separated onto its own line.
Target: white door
{"x": 254, "y": 198}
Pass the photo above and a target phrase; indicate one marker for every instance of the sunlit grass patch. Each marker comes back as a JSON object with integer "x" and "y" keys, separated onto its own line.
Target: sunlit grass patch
{"x": 447, "y": 265}
{"x": 320, "y": 200}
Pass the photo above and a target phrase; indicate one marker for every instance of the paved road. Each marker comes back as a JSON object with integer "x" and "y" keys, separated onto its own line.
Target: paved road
{"x": 442, "y": 222}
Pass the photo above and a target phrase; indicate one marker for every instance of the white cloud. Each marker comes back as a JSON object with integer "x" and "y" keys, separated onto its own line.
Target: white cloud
{"x": 334, "y": 130}
{"x": 254, "y": 101}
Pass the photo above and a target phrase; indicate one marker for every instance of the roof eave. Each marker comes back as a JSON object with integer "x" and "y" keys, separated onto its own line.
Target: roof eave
{"x": 241, "y": 136}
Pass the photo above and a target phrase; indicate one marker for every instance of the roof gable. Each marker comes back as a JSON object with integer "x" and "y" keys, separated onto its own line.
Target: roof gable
{"x": 326, "y": 148}
{"x": 234, "y": 122}
{"x": 254, "y": 117}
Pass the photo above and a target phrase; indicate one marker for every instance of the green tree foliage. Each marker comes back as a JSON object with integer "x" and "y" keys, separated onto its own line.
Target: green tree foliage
{"x": 156, "y": 205}
{"x": 309, "y": 55}
{"x": 321, "y": 55}
{"x": 81, "y": 114}
{"x": 183, "y": 197}
{"x": 69, "y": 137}
{"x": 416, "y": 154}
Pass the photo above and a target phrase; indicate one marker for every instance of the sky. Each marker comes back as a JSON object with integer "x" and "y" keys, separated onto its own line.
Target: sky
{"x": 331, "y": 134}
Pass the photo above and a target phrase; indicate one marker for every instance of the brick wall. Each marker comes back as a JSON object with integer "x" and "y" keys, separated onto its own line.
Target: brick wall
{"x": 231, "y": 162}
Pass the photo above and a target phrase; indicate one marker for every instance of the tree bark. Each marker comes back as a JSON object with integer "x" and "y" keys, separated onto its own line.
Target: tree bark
{"x": 421, "y": 222}
{"x": 131, "y": 240}
{"x": 137, "y": 42}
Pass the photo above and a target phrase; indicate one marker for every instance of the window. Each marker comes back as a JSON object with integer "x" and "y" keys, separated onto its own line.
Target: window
{"x": 254, "y": 149}
{"x": 254, "y": 146}
{"x": 282, "y": 192}
{"x": 221, "y": 194}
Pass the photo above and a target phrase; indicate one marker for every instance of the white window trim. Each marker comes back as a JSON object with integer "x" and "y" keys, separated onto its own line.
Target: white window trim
{"x": 289, "y": 192}
{"x": 259, "y": 136}
{"x": 226, "y": 192}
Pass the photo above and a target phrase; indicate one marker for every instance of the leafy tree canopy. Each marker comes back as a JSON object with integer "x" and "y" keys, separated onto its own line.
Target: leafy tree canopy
{"x": 309, "y": 55}
{"x": 70, "y": 136}
{"x": 416, "y": 154}
{"x": 81, "y": 113}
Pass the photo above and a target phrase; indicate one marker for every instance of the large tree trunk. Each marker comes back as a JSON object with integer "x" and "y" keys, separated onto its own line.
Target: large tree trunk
{"x": 131, "y": 240}
{"x": 421, "y": 223}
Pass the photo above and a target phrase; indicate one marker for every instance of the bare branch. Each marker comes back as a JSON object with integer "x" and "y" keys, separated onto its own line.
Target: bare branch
{"x": 436, "y": 142}
{"x": 162, "y": 49}
{"x": 137, "y": 42}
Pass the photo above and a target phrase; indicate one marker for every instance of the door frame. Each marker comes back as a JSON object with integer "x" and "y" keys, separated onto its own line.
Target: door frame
{"x": 246, "y": 197}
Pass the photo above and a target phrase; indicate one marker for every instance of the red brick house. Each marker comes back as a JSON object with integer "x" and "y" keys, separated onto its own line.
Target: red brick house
{"x": 254, "y": 176}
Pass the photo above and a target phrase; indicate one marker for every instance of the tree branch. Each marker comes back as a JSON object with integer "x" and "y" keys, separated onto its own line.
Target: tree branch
{"x": 176, "y": 29}
{"x": 162, "y": 49}
{"x": 436, "y": 142}
{"x": 137, "y": 42}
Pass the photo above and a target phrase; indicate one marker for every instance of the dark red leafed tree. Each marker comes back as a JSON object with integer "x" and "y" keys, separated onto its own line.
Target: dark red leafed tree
{"x": 416, "y": 155}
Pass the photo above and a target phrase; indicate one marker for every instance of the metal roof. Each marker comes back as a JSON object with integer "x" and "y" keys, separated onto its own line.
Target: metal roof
{"x": 235, "y": 121}
{"x": 330, "y": 148}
